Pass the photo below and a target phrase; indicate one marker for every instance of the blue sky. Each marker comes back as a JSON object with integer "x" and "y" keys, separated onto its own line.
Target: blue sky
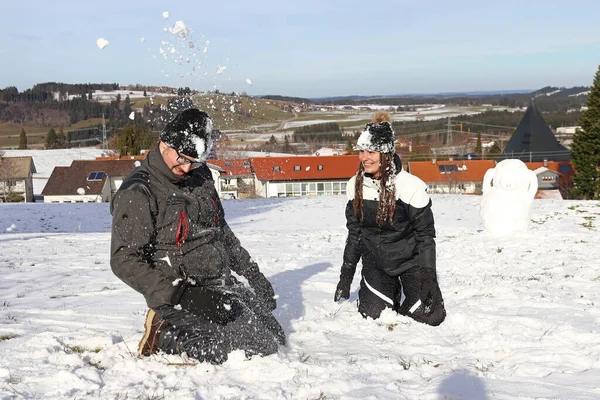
{"x": 306, "y": 48}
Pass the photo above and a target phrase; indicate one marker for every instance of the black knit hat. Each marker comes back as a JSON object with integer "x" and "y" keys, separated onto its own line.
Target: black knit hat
{"x": 189, "y": 133}
{"x": 377, "y": 136}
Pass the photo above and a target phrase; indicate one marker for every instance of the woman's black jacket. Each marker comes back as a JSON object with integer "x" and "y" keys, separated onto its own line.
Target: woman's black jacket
{"x": 407, "y": 241}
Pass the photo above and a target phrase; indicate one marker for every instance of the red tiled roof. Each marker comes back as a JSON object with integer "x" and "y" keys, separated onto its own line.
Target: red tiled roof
{"x": 430, "y": 172}
{"x": 66, "y": 180}
{"x": 475, "y": 169}
{"x": 551, "y": 165}
{"x": 240, "y": 167}
{"x": 305, "y": 167}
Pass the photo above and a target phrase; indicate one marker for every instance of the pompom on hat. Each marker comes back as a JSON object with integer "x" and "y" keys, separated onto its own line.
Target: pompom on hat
{"x": 377, "y": 136}
{"x": 189, "y": 133}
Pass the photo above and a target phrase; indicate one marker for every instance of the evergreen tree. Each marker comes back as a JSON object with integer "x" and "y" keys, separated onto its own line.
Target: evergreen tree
{"x": 51, "y": 139}
{"x": 128, "y": 145}
{"x": 478, "y": 147}
{"x": 585, "y": 150}
{"x": 127, "y": 107}
{"x": 23, "y": 140}
{"x": 61, "y": 139}
{"x": 494, "y": 151}
{"x": 350, "y": 146}
{"x": 286, "y": 145}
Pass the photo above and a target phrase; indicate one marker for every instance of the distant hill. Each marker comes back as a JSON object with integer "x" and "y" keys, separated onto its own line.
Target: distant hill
{"x": 291, "y": 99}
{"x": 548, "y": 99}
{"x": 413, "y": 95}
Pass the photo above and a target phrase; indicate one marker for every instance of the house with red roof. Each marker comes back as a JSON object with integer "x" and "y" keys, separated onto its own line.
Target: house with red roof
{"x": 235, "y": 180}
{"x": 466, "y": 176}
{"x": 463, "y": 176}
{"x": 97, "y": 180}
{"x": 303, "y": 175}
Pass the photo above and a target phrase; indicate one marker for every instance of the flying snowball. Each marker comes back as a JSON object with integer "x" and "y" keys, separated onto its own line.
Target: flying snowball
{"x": 132, "y": 115}
{"x": 102, "y": 43}
{"x": 180, "y": 29}
{"x": 248, "y": 81}
{"x": 165, "y": 14}
{"x": 220, "y": 69}
{"x": 142, "y": 39}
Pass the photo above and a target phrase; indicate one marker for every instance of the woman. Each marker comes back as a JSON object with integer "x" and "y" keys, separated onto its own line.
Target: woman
{"x": 391, "y": 228}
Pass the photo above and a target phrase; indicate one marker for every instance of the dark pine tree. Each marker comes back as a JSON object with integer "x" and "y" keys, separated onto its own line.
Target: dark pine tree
{"x": 51, "y": 139}
{"x": 585, "y": 150}
{"x": 23, "y": 140}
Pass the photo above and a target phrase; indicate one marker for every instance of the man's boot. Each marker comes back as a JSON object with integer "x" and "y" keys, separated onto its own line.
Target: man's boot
{"x": 152, "y": 328}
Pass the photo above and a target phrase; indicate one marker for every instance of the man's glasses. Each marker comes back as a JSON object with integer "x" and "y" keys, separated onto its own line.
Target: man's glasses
{"x": 185, "y": 161}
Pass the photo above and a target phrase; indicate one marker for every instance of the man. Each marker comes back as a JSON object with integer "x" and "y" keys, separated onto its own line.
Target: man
{"x": 171, "y": 243}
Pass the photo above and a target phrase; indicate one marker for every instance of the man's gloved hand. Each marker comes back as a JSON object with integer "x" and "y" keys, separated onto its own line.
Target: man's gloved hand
{"x": 343, "y": 287}
{"x": 264, "y": 290}
{"x": 429, "y": 292}
{"x": 261, "y": 285}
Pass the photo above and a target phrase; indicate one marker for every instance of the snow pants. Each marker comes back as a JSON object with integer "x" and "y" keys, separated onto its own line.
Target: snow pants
{"x": 378, "y": 291}
{"x": 230, "y": 318}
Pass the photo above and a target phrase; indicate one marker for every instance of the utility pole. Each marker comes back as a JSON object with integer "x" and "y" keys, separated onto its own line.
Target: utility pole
{"x": 449, "y": 133}
{"x": 104, "y": 140}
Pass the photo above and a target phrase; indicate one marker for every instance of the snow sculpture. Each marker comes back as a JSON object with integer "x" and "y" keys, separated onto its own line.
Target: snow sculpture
{"x": 508, "y": 193}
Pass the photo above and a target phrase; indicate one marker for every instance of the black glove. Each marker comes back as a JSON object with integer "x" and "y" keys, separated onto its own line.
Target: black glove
{"x": 429, "y": 289}
{"x": 211, "y": 304}
{"x": 263, "y": 289}
{"x": 343, "y": 287}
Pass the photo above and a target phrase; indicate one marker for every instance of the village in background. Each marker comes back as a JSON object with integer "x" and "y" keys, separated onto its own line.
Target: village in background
{"x": 60, "y": 147}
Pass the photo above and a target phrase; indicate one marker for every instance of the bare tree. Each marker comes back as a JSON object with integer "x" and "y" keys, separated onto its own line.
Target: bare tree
{"x": 6, "y": 179}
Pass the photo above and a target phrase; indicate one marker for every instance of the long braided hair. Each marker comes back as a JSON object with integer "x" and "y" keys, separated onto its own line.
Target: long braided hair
{"x": 386, "y": 207}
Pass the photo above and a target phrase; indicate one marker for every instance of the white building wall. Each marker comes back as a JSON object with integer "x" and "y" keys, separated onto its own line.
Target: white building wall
{"x": 73, "y": 199}
{"x": 261, "y": 188}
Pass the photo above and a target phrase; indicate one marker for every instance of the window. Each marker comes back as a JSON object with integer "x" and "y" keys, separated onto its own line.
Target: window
{"x": 276, "y": 168}
{"x": 320, "y": 167}
{"x": 446, "y": 169}
{"x": 228, "y": 163}
{"x": 547, "y": 179}
{"x": 96, "y": 176}
{"x": 281, "y": 190}
{"x": 564, "y": 169}
{"x": 343, "y": 187}
{"x": 246, "y": 164}
{"x": 297, "y": 168}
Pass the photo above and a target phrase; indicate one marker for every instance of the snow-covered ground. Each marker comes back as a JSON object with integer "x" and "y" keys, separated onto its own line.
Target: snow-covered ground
{"x": 428, "y": 113}
{"x": 523, "y": 318}
{"x": 46, "y": 160}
